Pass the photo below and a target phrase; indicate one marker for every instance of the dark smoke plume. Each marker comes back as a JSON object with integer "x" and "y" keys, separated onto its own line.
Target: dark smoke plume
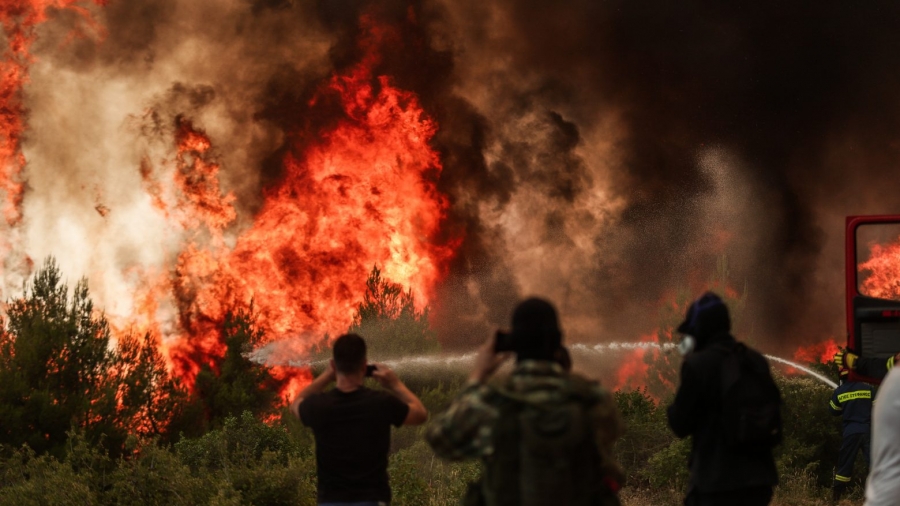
{"x": 600, "y": 153}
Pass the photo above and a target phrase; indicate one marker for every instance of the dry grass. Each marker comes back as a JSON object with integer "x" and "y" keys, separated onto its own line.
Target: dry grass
{"x": 798, "y": 489}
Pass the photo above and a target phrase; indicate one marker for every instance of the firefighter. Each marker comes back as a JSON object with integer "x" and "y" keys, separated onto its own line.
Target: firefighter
{"x": 853, "y": 401}
{"x": 870, "y": 367}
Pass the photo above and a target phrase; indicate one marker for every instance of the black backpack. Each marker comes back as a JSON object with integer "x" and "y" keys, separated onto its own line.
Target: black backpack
{"x": 751, "y": 402}
{"x": 545, "y": 453}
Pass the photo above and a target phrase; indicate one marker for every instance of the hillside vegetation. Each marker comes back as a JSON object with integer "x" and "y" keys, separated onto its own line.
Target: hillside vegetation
{"x": 89, "y": 423}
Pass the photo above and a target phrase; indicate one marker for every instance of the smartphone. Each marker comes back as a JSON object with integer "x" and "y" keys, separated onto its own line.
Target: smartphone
{"x": 503, "y": 341}
{"x": 370, "y": 369}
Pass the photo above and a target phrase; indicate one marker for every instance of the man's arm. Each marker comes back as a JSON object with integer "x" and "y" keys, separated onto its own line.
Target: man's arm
{"x": 834, "y": 404}
{"x": 464, "y": 430}
{"x": 875, "y": 367}
{"x": 315, "y": 387}
{"x": 388, "y": 378}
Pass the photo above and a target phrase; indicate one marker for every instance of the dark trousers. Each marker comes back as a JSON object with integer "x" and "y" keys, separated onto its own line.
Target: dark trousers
{"x": 756, "y": 496}
{"x": 851, "y": 444}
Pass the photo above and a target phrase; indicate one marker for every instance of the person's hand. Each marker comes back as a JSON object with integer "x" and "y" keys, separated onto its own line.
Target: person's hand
{"x": 487, "y": 361}
{"x": 386, "y": 376}
{"x": 844, "y": 358}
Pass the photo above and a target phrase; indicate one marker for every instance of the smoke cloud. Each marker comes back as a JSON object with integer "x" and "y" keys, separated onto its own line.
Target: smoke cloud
{"x": 601, "y": 154}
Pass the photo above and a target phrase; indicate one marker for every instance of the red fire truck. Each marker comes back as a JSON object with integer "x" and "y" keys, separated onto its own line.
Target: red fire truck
{"x": 873, "y": 296}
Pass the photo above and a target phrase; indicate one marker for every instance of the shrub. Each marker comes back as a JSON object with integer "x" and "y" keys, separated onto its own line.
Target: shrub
{"x": 156, "y": 476}
{"x": 41, "y": 480}
{"x": 388, "y": 320}
{"x": 812, "y": 435}
{"x": 419, "y": 478}
{"x": 262, "y": 463}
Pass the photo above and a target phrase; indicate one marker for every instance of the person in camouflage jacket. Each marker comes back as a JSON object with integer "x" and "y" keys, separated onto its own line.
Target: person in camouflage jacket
{"x": 474, "y": 425}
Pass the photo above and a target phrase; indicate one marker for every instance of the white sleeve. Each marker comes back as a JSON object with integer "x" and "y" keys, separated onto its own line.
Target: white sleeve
{"x": 883, "y": 485}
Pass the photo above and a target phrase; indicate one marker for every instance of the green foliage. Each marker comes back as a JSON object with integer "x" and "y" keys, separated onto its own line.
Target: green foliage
{"x": 648, "y": 451}
{"x": 388, "y": 320}
{"x": 240, "y": 440}
{"x": 233, "y": 384}
{"x": 32, "y": 480}
{"x": 261, "y": 462}
{"x": 812, "y": 435}
{"x": 418, "y": 477}
{"x": 152, "y": 396}
{"x": 75, "y": 415}
{"x": 156, "y": 476}
{"x": 58, "y": 371}
{"x": 247, "y": 461}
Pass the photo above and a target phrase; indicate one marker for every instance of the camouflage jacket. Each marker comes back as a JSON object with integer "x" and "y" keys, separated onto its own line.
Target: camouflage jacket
{"x": 464, "y": 431}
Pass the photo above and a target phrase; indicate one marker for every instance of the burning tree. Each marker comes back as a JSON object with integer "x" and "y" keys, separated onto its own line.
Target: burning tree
{"x": 58, "y": 372}
{"x": 232, "y": 384}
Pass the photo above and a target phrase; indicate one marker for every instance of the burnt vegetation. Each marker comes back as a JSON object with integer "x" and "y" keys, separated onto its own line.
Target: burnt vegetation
{"x": 86, "y": 419}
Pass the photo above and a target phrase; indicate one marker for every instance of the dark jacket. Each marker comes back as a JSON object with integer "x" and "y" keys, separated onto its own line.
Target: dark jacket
{"x": 697, "y": 412}
{"x": 853, "y": 401}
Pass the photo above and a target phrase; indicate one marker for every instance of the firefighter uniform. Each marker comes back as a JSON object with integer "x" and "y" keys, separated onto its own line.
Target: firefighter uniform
{"x": 853, "y": 401}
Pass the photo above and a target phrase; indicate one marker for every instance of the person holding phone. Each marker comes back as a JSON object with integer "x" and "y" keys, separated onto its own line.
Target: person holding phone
{"x": 352, "y": 425}
{"x": 544, "y": 435}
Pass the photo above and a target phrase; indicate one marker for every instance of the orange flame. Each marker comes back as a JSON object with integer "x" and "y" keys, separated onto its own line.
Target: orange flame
{"x": 19, "y": 18}
{"x": 880, "y": 274}
{"x": 817, "y": 353}
{"x": 633, "y": 371}
{"x": 358, "y": 194}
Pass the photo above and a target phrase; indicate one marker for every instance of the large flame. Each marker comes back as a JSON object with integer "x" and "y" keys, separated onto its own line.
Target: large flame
{"x": 359, "y": 194}
{"x": 880, "y": 274}
{"x": 19, "y": 18}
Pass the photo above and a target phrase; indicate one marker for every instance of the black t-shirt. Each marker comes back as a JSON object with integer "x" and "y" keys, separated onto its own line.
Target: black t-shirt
{"x": 353, "y": 436}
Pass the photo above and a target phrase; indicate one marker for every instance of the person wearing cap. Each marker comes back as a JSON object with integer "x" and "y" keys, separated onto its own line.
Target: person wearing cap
{"x": 852, "y": 400}
{"x": 720, "y": 474}
{"x": 475, "y": 425}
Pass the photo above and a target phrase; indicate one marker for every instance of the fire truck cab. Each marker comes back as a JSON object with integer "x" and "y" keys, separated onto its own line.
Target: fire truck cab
{"x": 873, "y": 294}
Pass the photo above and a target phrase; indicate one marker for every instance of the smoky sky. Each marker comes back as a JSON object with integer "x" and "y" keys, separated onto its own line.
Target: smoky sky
{"x": 603, "y": 154}
{"x": 785, "y": 88}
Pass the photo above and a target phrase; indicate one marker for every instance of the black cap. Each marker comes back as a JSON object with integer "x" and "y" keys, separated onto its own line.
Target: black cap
{"x": 706, "y": 317}
{"x": 535, "y": 330}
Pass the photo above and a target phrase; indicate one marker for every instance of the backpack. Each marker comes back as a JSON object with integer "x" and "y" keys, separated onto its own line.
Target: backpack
{"x": 544, "y": 453}
{"x": 751, "y": 402}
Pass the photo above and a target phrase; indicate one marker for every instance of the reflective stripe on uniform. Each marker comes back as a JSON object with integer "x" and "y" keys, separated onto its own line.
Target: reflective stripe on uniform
{"x": 858, "y": 394}
{"x": 838, "y": 477}
{"x": 834, "y": 407}
{"x": 890, "y": 363}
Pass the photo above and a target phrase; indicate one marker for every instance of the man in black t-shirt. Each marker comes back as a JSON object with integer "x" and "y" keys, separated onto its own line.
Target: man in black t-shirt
{"x": 352, "y": 425}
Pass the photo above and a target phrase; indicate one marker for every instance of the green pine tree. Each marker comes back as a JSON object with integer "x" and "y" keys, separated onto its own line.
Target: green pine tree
{"x": 59, "y": 371}
{"x": 389, "y": 322}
